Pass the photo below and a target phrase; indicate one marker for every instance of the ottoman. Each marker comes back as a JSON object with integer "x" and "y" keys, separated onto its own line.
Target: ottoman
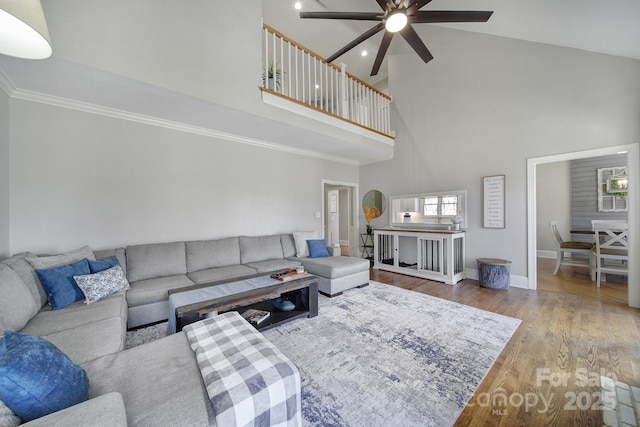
{"x": 336, "y": 274}
{"x": 494, "y": 273}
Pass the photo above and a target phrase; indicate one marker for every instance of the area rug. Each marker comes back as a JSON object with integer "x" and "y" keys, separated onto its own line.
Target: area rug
{"x": 383, "y": 355}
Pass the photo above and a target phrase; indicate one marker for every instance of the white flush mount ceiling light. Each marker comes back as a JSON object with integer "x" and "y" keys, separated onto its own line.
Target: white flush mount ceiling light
{"x": 23, "y": 30}
{"x": 396, "y": 21}
{"x": 298, "y": 5}
{"x": 364, "y": 53}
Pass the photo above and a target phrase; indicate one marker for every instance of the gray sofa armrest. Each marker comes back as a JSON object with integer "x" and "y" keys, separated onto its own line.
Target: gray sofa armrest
{"x": 334, "y": 251}
{"x": 103, "y": 411}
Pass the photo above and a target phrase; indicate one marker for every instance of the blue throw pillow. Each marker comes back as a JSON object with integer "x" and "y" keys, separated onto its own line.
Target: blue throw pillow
{"x": 36, "y": 378}
{"x": 317, "y": 248}
{"x": 103, "y": 264}
{"x": 60, "y": 285}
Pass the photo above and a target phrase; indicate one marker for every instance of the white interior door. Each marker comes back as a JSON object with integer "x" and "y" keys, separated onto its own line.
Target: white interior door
{"x": 333, "y": 218}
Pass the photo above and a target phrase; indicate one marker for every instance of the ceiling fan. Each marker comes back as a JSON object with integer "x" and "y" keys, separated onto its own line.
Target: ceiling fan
{"x": 397, "y": 16}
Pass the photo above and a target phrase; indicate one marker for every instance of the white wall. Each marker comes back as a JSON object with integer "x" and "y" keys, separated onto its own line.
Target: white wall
{"x": 483, "y": 106}
{"x": 196, "y": 47}
{"x": 79, "y": 178}
{"x": 553, "y": 188}
{"x": 4, "y": 174}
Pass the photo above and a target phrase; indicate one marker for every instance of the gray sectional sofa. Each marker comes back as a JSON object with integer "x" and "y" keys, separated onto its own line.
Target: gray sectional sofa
{"x": 153, "y": 269}
{"x": 158, "y": 383}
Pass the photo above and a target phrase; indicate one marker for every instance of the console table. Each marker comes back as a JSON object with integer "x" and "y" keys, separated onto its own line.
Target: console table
{"x": 431, "y": 254}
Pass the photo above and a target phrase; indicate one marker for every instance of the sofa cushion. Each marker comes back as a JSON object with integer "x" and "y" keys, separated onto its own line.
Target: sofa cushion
{"x": 17, "y": 305}
{"x": 335, "y": 266}
{"x": 25, "y": 270}
{"x": 154, "y": 290}
{"x": 273, "y": 265}
{"x": 102, "y": 284}
{"x": 220, "y": 273}
{"x": 36, "y": 378}
{"x": 317, "y": 248}
{"x": 118, "y": 253}
{"x": 205, "y": 254}
{"x": 288, "y": 245}
{"x": 144, "y": 374}
{"x": 49, "y": 321}
{"x": 60, "y": 285}
{"x": 155, "y": 260}
{"x": 259, "y": 248}
{"x": 91, "y": 340}
{"x": 43, "y": 262}
{"x": 106, "y": 410}
{"x": 300, "y": 238}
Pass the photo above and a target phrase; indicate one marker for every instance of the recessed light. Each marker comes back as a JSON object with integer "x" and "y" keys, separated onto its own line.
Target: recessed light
{"x": 298, "y": 5}
{"x": 317, "y": 86}
{"x": 364, "y": 53}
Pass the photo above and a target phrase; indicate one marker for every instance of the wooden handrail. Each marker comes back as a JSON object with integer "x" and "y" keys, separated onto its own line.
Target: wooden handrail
{"x": 304, "y": 104}
{"x": 323, "y": 60}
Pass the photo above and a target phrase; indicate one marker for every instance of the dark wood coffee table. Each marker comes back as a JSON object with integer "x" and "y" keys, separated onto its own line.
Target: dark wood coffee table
{"x": 259, "y": 299}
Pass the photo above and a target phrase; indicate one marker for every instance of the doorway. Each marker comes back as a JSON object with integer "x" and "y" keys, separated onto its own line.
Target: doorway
{"x": 339, "y": 218}
{"x": 633, "y": 165}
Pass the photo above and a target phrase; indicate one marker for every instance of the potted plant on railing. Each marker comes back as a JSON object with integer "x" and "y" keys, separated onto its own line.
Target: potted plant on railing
{"x": 272, "y": 76}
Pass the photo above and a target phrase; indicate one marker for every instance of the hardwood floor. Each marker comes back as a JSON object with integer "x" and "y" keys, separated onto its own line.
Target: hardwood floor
{"x": 570, "y": 329}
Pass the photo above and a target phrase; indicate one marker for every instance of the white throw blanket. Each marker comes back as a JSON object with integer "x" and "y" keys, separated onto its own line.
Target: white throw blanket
{"x": 249, "y": 381}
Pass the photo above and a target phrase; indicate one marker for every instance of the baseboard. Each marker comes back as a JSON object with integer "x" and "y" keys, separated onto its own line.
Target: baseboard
{"x": 546, "y": 254}
{"x": 516, "y": 281}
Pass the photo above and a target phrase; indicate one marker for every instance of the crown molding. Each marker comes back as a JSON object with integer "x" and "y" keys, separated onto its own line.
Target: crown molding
{"x": 73, "y": 104}
{"x": 6, "y": 84}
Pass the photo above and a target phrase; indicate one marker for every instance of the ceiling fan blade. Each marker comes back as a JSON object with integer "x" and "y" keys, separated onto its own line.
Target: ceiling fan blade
{"x": 414, "y": 41}
{"x": 384, "y": 45}
{"x": 416, "y": 5}
{"x": 357, "y": 16}
{"x": 383, "y": 4}
{"x": 433, "y": 16}
{"x": 356, "y": 42}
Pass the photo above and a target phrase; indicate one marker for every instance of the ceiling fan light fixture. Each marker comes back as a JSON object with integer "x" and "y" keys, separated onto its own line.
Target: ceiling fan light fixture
{"x": 396, "y": 21}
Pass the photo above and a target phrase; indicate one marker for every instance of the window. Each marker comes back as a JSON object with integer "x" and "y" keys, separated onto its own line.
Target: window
{"x": 449, "y": 205}
{"x": 431, "y": 206}
{"x": 426, "y": 209}
{"x": 441, "y": 206}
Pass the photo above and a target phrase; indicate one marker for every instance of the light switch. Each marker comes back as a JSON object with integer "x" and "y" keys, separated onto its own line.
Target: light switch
{"x": 317, "y": 214}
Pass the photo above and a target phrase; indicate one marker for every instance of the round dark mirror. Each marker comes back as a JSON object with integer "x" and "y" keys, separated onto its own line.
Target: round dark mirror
{"x": 374, "y": 203}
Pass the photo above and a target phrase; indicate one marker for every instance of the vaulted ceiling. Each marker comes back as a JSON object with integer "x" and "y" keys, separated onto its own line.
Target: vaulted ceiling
{"x": 610, "y": 27}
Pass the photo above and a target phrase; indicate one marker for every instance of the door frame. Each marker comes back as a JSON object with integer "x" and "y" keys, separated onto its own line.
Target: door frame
{"x": 355, "y": 198}
{"x": 633, "y": 171}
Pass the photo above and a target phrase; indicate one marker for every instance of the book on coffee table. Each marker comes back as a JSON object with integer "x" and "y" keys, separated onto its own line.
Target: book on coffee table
{"x": 255, "y": 317}
{"x": 285, "y": 276}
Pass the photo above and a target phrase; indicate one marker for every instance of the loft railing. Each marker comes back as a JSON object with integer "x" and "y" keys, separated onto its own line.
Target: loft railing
{"x": 294, "y": 72}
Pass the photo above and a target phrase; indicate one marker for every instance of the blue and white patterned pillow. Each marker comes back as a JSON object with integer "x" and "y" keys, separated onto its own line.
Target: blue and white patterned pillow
{"x": 104, "y": 283}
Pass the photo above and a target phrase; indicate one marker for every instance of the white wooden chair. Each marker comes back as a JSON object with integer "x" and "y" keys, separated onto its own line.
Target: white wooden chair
{"x": 611, "y": 250}
{"x": 593, "y": 253}
{"x": 567, "y": 249}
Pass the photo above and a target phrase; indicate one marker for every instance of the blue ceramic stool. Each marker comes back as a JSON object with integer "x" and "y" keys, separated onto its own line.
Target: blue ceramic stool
{"x": 494, "y": 273}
